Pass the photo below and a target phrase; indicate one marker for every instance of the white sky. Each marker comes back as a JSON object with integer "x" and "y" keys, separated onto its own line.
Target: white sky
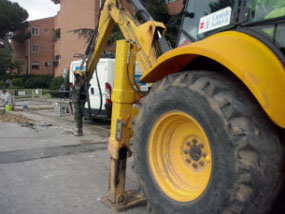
{"x": 38, "y": 9}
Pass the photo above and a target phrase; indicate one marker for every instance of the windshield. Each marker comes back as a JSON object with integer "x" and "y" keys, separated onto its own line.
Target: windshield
{"x": 267, "y": 9}
{"x": 204, "y": 17}
{"x": 274, "y": 31}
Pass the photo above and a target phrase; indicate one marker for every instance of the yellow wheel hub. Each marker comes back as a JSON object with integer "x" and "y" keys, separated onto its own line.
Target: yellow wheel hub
{"x": 180, "y": 156}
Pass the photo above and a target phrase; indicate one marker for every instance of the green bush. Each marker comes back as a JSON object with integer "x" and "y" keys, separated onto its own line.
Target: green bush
{"x": 54, "y": 86}
{"x": 18, "y": 83}
{"x": 38, "y": 82}
{"x": 25, "y": 77}
{"x": 33, "y": 82}
{"x": 2, "y": 84}
{"x": 5, "y": 76}
{"x": 16, "y": 87}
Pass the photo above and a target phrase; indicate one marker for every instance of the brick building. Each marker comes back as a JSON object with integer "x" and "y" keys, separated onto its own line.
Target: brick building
{"x": 53, "y": 44}
{"x": 76, "y": 14}
{"x": 36, "y": 54}
{"x": 175, "y": 6}
{"x": 73, "y": 15}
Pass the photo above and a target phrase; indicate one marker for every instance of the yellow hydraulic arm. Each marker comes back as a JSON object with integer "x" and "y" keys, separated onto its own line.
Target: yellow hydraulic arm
{"x": 145, "y": 36}
{"x": 143, "y": 43}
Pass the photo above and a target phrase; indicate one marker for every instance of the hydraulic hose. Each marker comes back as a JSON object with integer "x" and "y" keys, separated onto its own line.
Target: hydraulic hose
{"x": 142, "y": 10}
{"x": 88, "y": 50}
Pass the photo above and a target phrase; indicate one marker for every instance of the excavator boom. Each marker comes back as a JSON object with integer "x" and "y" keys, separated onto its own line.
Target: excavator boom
{"x": 145, "y": 36}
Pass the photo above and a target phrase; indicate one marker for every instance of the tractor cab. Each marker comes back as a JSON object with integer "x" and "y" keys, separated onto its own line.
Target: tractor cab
{"x": 262, "y": 19}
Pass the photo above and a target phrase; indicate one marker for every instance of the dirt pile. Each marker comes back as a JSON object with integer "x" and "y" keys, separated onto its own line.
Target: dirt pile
{"x": 14, "y": 118}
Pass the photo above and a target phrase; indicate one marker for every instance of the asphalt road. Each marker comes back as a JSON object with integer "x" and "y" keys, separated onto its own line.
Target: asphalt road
{"x": 45, "y": 169}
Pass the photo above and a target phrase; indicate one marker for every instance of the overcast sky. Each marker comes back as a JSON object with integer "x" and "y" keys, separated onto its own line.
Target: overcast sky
{"x": 38, "y": 9}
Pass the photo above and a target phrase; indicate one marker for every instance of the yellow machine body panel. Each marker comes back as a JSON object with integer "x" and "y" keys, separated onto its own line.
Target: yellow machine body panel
{"x": 246, "y": 57}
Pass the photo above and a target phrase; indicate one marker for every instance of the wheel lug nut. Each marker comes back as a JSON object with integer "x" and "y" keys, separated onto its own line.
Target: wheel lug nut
{"x": 195, "y": 141}
{"x": 201, "y": 146}
{"x": 195, "y": 165}
{"x": 188, "y": 144}
{"x": 208, "y": 160}
{"x": 188, "y": 160}
{"x": 204, "y": 154}
{"x": 186, "y": 152}
{"x": 202, "y": 163}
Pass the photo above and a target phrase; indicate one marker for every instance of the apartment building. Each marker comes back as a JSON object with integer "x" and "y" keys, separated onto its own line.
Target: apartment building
{"x": 175, "y": 6}
{"x": 76, "y": 14}
{"x": 73, "y": 15}
{"x": 53, "y": 45}
{"x": 36, "y": 54}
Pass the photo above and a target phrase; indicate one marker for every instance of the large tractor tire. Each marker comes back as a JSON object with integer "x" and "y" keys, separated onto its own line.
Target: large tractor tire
{"x": 203, "y": 145}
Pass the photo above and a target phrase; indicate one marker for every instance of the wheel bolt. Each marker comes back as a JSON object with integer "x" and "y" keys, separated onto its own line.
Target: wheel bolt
{"x": 195, "y": 165}
{"x": 204, "y": 155}
{"x": 202, "y": 163}
{"x": 186, "y": 152}
{"x": 188, "y": 160}
{"x": 208, "y": 160}
{"x": 201, "y": 146}
{"x": 195, "y": 141}
{"x": 188, "y": 144}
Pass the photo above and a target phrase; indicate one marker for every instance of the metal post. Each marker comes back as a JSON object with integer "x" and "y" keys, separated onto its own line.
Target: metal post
{"x": 123, "y": 97}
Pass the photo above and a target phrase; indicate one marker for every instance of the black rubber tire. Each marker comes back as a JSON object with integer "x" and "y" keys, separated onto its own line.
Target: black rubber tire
{"x": 246, "y": 149}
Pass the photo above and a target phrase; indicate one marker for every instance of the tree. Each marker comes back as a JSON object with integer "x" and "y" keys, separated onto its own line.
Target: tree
{"x": 12, "y": 26}
{"x": 6, "y": 60}
{"x": 87, "y": 33}
{"x": 12, "y": 18}
{"x": 5, "y": 57}
{"x": 159, "y": 12}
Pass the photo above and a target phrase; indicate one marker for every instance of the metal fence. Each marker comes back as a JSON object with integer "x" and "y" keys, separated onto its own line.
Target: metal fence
{"x": 26, "y": 93}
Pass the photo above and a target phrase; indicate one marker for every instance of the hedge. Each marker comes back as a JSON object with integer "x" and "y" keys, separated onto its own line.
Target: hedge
{"x": 2, "y": 84}
{"x": 54, "y": 86}
{"x": 18, "y": 83}
{"x": 38, "y": 82}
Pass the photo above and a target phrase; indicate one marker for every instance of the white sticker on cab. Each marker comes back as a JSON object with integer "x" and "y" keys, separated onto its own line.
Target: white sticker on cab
{"x": 215, "y": 20}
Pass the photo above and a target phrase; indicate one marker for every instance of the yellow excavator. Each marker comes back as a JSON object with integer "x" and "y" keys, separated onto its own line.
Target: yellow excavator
{"x": 208, "y": 137}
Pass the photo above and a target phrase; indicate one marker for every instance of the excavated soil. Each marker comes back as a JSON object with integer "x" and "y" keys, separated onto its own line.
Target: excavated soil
{"x": 14, "y": 118}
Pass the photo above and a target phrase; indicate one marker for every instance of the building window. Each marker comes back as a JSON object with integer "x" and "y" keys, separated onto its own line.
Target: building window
{"x": 46, "y": 31}
{"x": 35, "y": 31}
{"x": 56, "y": 34}
{"x": 35, "y": 65}
{"x": 56, "y": 61}
{"x": 47, "y": 64}
{"x": 35, "y": 49}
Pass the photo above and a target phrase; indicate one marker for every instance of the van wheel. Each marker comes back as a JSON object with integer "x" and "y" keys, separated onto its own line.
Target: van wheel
{"x": 203, "y": 145}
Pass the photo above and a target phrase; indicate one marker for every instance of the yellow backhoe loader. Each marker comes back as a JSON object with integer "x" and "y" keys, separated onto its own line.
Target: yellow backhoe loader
{"x": 208, "y": 137}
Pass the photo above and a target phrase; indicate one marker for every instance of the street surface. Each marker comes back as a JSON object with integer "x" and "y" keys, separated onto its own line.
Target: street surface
{"x": 45, "y": 169}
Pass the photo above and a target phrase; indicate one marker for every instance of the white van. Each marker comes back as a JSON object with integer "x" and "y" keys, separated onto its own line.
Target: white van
{"x": 106, "y": 74}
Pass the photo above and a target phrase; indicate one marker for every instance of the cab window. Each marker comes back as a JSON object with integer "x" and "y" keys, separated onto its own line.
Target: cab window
{"x": 195, "y": 10}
